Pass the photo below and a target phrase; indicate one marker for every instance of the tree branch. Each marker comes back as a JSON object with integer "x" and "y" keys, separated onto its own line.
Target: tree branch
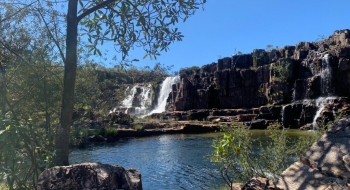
{"x": 95, "y": 8}
{"x": 6, "y": 18}
{"x": 55, "y": 41}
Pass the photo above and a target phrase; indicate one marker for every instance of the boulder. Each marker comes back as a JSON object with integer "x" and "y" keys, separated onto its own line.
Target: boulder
{"x": 325, "y": 165}
{"x": 257, "y": 124}
{"x": 89, "y": 176}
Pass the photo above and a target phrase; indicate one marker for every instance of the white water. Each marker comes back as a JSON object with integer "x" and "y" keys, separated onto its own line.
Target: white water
{"x": 283, "y": 115}
{"x": 127, "y": 102}
{"x": 166, "y": 88}
{"x": 321, "y": 103}
{"x": 145, "y": 98}
{"x": 327, "y": 88}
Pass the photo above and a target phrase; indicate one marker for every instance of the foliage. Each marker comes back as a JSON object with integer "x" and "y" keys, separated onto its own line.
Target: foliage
{"x": 147, "y": 24}
{"x": 111, "y": 132}
{"x": 138, "y": 127}
{"x": 48, "y": 68}
{"x": 269, "y": 47}
{"x": 234, "y": 152}
{"x": 25, "y": 150}
{"x": 281, "y": 71}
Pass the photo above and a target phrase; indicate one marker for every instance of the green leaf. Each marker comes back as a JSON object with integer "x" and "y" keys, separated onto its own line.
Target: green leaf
{"x": 99, "y": 52}
{"x": 81, "y": 3}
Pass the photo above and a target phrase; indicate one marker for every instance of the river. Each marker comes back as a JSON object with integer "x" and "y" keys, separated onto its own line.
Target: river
{"x": 178, "y": 161}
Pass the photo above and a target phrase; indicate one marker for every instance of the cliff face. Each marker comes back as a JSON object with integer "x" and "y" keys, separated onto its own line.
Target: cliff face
{"x": 308, "y": 70}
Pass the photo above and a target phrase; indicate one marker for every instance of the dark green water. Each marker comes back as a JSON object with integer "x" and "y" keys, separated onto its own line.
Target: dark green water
{"x": 166, "y": 162}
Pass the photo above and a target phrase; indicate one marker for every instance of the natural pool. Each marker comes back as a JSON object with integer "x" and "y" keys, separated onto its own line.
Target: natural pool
{"x": 178, "y": 161}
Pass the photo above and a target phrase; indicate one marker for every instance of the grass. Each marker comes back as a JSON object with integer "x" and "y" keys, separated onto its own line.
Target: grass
{"x": 106, "y": 132}
{"x": 110, "y": 132}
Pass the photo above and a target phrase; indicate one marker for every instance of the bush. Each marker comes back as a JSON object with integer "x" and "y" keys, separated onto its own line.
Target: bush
{"x": 138, "y": 127}
{"x": 25, "y": 151}
{"x": 234, "y": 153}
{"x": 111, "y": 132}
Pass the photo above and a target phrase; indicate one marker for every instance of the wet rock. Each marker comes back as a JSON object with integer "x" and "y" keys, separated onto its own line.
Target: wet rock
{"x": 257, "y": 124}
{"x": 198, "y": 128}
{"x": 96, "y": 138}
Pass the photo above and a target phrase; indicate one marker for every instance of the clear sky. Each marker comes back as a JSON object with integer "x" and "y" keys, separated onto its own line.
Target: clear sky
{"x": 226, "y": 26}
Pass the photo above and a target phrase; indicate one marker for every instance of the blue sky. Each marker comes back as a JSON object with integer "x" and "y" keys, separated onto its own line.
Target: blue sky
{"x": 226, "y": 26}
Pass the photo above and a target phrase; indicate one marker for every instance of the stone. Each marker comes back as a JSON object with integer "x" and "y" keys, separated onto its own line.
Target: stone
{"x": 257, "y": 124}
{"x": 259, "y": 183}
{"x": 325, "y": 165}
{"x": 96, "y": 138}
{"x": 89, "y": 176}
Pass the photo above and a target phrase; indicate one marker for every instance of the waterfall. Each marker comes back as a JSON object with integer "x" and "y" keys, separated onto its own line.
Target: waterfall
{"x": 127, "y": 102}
{"x": 283, "y": 115}
{"x": 326, "y": 76}
{"x": 146, "y": 100}
{"x": 294, "y": 94}
{"x": 321, "y": 104}
{"x": 144, "y": 95}
{"x": 166, "y": 88}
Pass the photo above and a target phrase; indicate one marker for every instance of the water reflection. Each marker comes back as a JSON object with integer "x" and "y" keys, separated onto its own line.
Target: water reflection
{"x": 168, "y": 161}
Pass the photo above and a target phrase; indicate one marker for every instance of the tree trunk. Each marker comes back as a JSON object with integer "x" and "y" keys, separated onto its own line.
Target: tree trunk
{"x": 3, "y": 89}
{"x": 70, "y": 67}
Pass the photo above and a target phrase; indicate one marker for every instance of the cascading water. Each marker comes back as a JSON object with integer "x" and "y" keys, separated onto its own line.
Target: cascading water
{"x": 144, "y": 96}
{"x": 146, "y": 100}
{"x": 166, "y": 88}
{"x": 127, "y": 102}
{"x": 326, "y": 77}
{"x": 283, "y": 115}
{"x": 321, "y": 103}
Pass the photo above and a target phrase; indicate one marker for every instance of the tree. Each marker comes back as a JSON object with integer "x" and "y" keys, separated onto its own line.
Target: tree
{"x": 127, "y": 23}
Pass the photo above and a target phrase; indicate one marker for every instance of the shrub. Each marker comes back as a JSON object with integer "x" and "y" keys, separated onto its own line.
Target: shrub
{"x": 138, "y": 127}
{"x": 25, "y": 150}
{"x": 281, "y": 71}
{"x": 234, "y": 152}
{"x": 110, "y": 132}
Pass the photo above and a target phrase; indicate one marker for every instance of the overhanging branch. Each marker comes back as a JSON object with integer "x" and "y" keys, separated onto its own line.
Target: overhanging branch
{"x": 95, "y": 8}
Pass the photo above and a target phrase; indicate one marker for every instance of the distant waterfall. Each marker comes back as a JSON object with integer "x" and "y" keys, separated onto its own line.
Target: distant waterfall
{"x": 326, "y": 77}
{"x": 143, "y": 94}
{"x": 146, "y": 100}
{"x": 127, "y": 102}
{"x": 321, "y": 104}
{"x": 166, "y": 88}
{"x": 283, "y": 115}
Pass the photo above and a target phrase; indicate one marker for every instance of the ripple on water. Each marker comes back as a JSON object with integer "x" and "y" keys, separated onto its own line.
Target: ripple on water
{"x": 165, "y": 162}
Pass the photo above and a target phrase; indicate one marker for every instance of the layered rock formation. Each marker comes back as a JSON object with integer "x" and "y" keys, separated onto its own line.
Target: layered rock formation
{"x": 89, "y": 176}
{"x": 296, "y": 75}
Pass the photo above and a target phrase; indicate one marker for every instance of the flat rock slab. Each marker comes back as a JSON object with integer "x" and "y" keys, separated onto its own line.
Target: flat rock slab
{"x": 325, "y": 165}
{"x": 89, "y": 176}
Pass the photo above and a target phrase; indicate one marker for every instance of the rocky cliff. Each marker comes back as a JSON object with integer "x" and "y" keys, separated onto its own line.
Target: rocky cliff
{"x": 302, "y": 76}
